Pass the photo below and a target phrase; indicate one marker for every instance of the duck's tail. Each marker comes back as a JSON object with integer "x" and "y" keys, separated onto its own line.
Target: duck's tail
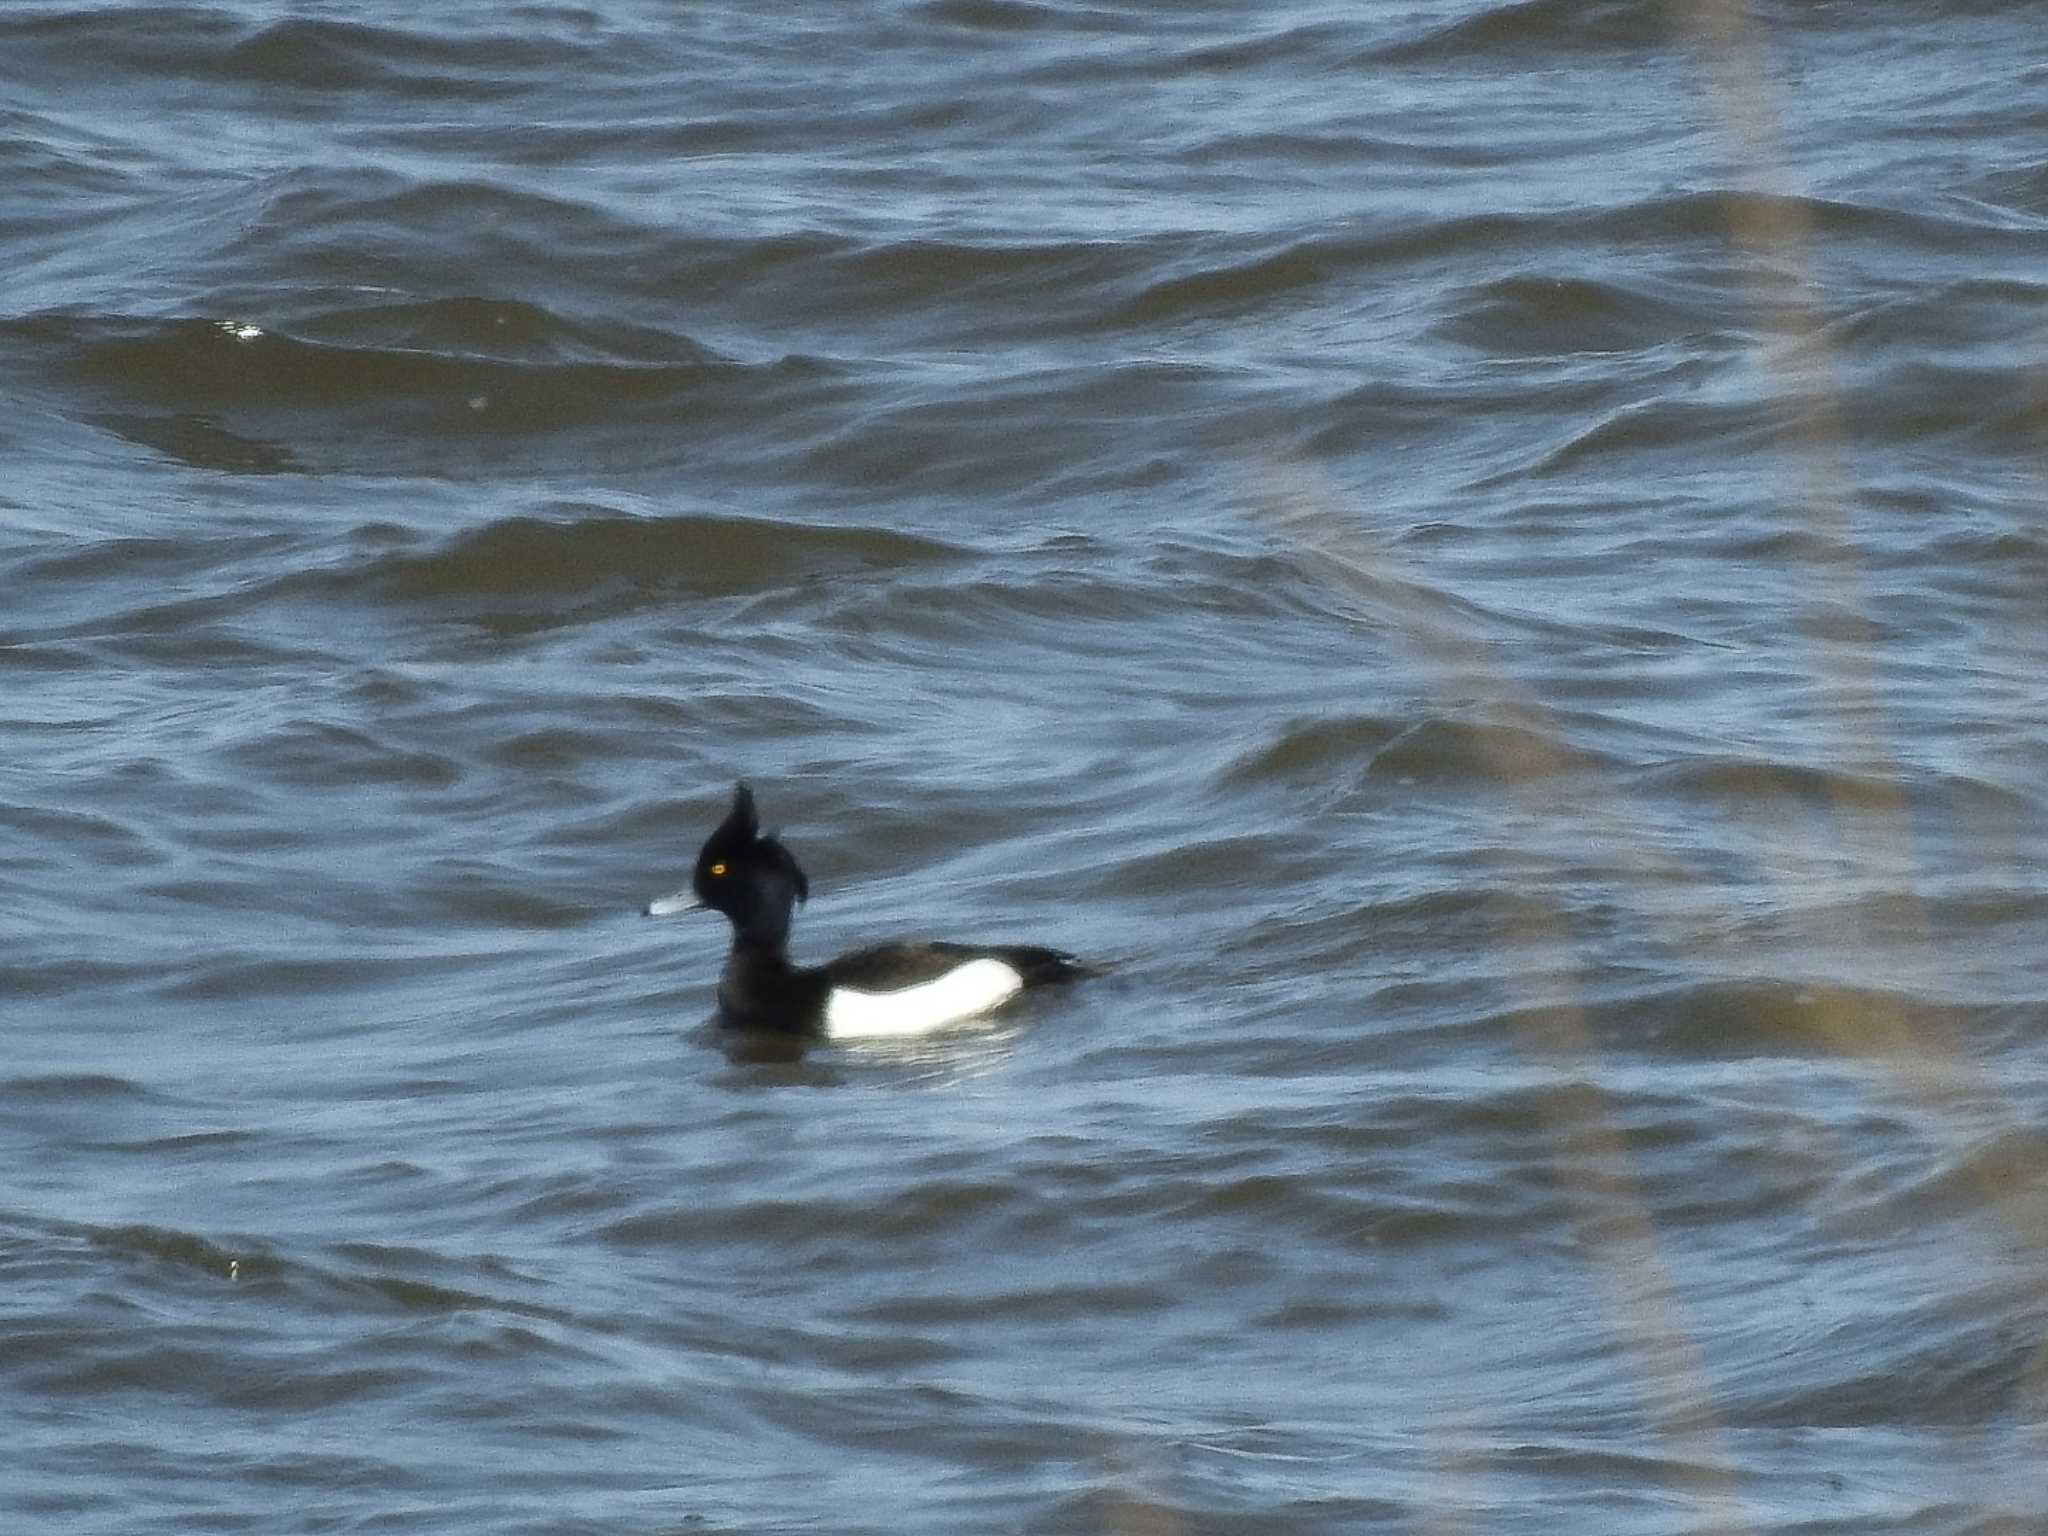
{"x": 1045, "y": 967}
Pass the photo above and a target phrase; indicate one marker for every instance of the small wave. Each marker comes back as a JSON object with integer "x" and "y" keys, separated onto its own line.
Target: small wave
{"x": 149, "y": 39}
{"x": 1306, "y": 1205}
{"x": 1958, "y": 319}
{"x": 1743, "y": 217}
{"x": 1526, "y": 28}
{"x": 318, "y": 54}
{"x": 242, "y": 977}
{"x": 1563, "y": 316}
{"x": 187, "y": 1250}
{"x": 1653, "y": 425}
{"x": 200, "y": 442}
{"x": 993, "y": 15}
{"x": 67, "y": 975}
{"x": 1113, "y": 1506}
{"x": 526, "y": 367}
{"x": 2002, "y": 407}
{"x": 1329, "y": 43}
{"x": 1228, "y": 287}
{"x": 1745, "y": 1019}
{"x": 63, "y": 1087}
{"x": 1752, "y": 783}
{"x": 927, "y": 1211}
{"x": 1055, "y": 1301}
{"x": 551, "y": 567}
{"x": 1230, "y": 276}
{"x": 213, "y": 44}
{"x": 321, "y": 752}
{"x": 981, "y": 280}
{"x": 1318, "y": 748}
{"x": 1439, "y": 750}
{"x": 1964, "y": 1359}
{"x": 407, "y": 388}
{"x": 112, "y": 842}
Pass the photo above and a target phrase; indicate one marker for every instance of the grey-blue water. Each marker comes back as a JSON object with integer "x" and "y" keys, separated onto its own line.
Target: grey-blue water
{"x": 1489, "y": 559}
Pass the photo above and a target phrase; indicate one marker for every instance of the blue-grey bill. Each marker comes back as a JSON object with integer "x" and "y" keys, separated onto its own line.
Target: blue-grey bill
{"x": 666, "y": 906}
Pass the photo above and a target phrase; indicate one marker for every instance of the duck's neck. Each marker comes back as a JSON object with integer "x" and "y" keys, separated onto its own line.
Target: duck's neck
{"x": 762, "y": 934}
{"x": 759, "y": 986}
{"x": 752, "y": 950}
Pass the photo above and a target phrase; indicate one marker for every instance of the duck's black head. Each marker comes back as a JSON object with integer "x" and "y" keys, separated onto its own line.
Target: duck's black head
{"x": 748, "y": 875}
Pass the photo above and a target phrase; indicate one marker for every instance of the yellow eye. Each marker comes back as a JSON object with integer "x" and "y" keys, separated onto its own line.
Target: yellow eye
{"x": 718, "y": 869}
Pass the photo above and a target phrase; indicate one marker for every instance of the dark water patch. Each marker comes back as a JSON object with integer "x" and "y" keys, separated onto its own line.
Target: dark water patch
{"x": 2000, "y": 1175}
{"x": 48, "y": 161}
{"x": 483, "y": 896}
{"x": 1495, "y": 752}
{"x": 242, "y": 979}
{"x": 1114, "y": 1505}
{"x": 203, "y": 366}
{"x": 996, "y": 15}
{"x": 2015, "y": 188}
{"x": 1362, "y": 1219}
{"x": 185, "y": 1250}
{"x": 1670, "y": 424}
{"x": 1528, "y": 29}
{"x": 1209, "y": 862}
{"x": 2001, "y": 408}
{"x": 60, "y": 974}
{"x": 144, "y": 39}
{"x": 524, "y": 574}
{"x": 1316, "y": 749}
{"x": 553, "y": 749}
{"x": 323, "y": 754}
{"x": 1975, "y": 315}
{"x": 1326, "y": 1312}
{"x": 964, "y": 279}
{"x": 1769, "y": 224}
{"x": 197, "y": 634}
{"x": 425, "y": 239}
{"x": 198, "y": 1146}
{"x": 1154, "y": 283}
{"x": 412, "y": 1295}
{"x": 181, "y": 1371}
{"x": 69, "y": 1087}
{"x": 925, "y": 1212}
{"x": 1005, "y": 436}
{"x": 200, "y": 443}
{"x": 500, "y": 330}
{"x": 1733, "y": 1020}
{"x": 1310, "y": 43}
{"x": 1759, "y": 786}
{"x": 1056, "y": 1301}
{"x": 148, "y": 561}
{"x": 1294, "y": 149}
{"x": 1369, "y": 416}
{"x": 1225, "y": 285}
{"x": 1539, "y": 316}
{"x": 66, "y": 834}
{"x": 41, "y": 660}
{"x": 248, "y": 825}
{"x": 411, "y": 63}
{"x": 1943, "y": 1365}
{"x": 219, "y": 45}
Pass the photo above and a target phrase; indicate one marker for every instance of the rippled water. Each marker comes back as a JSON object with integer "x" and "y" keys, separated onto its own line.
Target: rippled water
{"x": 1489, "y": 559}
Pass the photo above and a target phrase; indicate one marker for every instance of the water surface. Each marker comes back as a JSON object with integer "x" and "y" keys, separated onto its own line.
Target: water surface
{"x": 1486, "y": 557}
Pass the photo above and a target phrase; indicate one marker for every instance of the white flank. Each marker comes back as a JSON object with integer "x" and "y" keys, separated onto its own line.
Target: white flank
{"x": 961, "y": 993}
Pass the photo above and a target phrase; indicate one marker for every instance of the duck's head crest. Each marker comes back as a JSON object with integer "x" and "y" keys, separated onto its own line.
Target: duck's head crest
{"x": 739, "y": 863}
